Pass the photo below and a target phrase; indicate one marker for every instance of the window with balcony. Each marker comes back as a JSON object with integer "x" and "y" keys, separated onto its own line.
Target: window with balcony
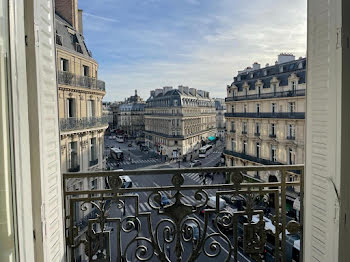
{"x": 70, "y": 108}
{"x": 64, "y": 65}
{"x": 257, "y": 150}
{"x": 244, "y": 149}
{"x": 245, "y": 108}
{"x": 90, "y": 108}
{"x": 273, "y": 107}
{"x": 294, "y": 86}
{"x": 73, "y": 157}
{"x": 274, "y": 86}
{"x": 246, "y": 91}
{"x": 93, "y": 152}
{"x": 233, "y": 128}
{"x": 291, "y": 107}
{"x": 291, "y": 132}
{"x": 273, "y": 130}
{"x": 273, "y": 154}
{"x": 257, "y": 129}
{"x": 86, "y": 70}
{"x": 258, "y": 108}
{"x": 233, "y": 145}
{"x": 291, "y": 156}
{"x": 244, "y": 128}
{"x": 259, "y": 91}
{"x": 94, "y": 184}
{"x": 232, "y": 108}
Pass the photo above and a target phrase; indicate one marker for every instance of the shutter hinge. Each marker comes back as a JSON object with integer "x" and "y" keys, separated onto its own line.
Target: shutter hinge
{"x": 36, "y": 32}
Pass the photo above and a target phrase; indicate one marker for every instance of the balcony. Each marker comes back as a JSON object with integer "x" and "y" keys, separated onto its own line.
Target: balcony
{"x": 251, "y": 158}
{"x": 257, "y": 134}
{"x": 267, "y": 95}
{"x": 244, "y": 132}
{"x": 233, "y": 130}
{"x": 272, "y": 135}
{"x": 73, "y": 123}
{"x": 183, "y": 221}
{"x": 70, "y": 79}
{"x": 290, "y": 137}
{"x": 287, "y": 115}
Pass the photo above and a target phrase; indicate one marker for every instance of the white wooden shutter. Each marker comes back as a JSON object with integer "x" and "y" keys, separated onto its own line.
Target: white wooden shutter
{"x": 50, "y": 173}
{"x": 322, "y": 176}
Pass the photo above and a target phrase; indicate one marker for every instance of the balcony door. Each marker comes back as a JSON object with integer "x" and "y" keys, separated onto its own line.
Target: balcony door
{"x": 90, "y": 108}
{"x": 71, "y": 108}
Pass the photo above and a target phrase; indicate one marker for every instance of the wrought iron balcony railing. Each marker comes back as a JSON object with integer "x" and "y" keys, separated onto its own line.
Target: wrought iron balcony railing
{"x": 93, "y": 162}
{"x": 267, "y": 95}
{"x": 179, "y": 220}
{"x": 67, "y": 78}
{"x": 73, "y": 123}
{"x": 251, "y": 158}
{"x": 288, "y": 115}
{"x": 291, "y": 137}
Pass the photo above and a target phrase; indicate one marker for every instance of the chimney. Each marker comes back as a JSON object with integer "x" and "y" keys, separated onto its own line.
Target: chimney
{"x": 167, "y": 88}
{"x": 193, "y": 91}
{"x": 152, "y": 93}
{"x": 284, "y": 58}
{"x": 68, "y": 9}
{"x": 186, "y": 90}
{"x": 200, "y": 92}
{"x": 158, "y": 91}
{"x": 256, "y": 66}
{"x": 80, "y": 21}
{"x": 181, "y": 89}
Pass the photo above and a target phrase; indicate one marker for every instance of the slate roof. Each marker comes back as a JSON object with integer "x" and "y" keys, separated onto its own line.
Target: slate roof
{"x": 273, "y": 71}
{"x": 69, "y": 40}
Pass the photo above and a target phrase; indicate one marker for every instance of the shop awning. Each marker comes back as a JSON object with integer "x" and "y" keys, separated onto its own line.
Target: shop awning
{"x": 211, "y": 138}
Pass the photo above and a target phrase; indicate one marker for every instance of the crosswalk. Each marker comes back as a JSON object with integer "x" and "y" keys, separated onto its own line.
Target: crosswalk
{"x": 195, "y": 177}
{"x": 145, "y": 207}
{"x": 142, "y": 161}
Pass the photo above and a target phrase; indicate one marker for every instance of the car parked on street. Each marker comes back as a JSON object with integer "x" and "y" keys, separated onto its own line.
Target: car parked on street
{"x": 195, "y": 163}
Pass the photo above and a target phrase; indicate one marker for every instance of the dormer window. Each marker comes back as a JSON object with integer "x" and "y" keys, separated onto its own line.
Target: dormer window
{"x": 251, "y": 75}
{"x": 300, "y": 66}
{"x": 265, "y": 72}
{"x": 281, "y": 69}
{"x": 238, "y": 78}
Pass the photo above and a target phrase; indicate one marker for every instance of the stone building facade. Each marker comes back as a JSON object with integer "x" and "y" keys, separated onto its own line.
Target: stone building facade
{"x": 179, "y": 121}
{"x": 128, "y": 116}
{"x": 220, "y": 107}
{"x": 265, "y": 119}
{"x": 80, "y": 94}
{"x": 82, "y": 123}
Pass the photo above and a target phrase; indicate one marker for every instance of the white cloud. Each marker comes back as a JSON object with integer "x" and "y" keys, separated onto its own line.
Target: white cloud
{"x": 240, "y": 38}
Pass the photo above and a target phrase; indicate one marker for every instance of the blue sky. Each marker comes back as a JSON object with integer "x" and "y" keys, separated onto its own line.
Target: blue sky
{"x": 148, "y": 44}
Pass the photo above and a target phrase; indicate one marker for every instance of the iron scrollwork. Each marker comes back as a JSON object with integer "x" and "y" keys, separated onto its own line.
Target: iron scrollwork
{"x": 174, "y": 230}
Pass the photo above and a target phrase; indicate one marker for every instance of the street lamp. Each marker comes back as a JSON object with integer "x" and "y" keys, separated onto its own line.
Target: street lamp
{"x": 178, "y": 156}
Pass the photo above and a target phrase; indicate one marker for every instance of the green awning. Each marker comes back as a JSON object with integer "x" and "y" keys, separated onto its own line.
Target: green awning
{"x": 211, "y": 138}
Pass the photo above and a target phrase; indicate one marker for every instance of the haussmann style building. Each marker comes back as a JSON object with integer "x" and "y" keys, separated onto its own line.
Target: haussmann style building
{"x": 128, "y": 116}
{"x": 179, "y": 121}
{"x": 265, "y": 119}
{"x": 80, "y": 94}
